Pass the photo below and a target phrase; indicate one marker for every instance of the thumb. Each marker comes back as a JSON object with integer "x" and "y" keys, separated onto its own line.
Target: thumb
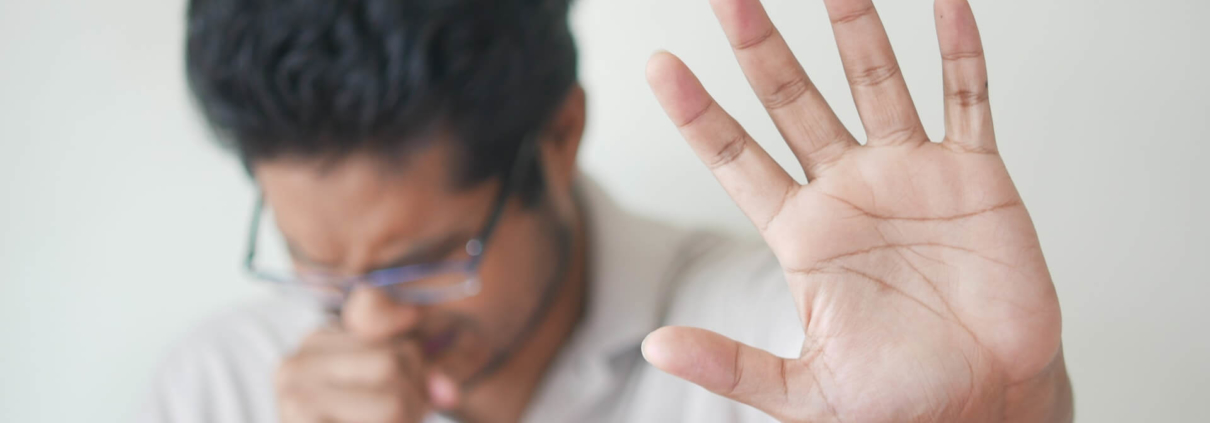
{"x": 723, "y": 366}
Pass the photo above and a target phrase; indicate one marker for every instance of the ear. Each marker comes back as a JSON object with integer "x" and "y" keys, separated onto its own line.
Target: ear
{"x": 561, "y": 145}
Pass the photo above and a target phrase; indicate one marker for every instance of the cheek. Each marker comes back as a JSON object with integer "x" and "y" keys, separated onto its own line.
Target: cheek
{"x": 518, "y": 264}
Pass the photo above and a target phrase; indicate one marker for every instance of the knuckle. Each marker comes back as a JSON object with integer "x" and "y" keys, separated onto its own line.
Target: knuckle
{"x": 755, "y": 41}
{"x": 729, "y": 151}
{"x": 967, "y": 97}
{"x": 692, "y": 119}
{"x": 381, "y": 366}
{"x": 959, "y": 145}
{"x": 874, "y": 75}
{"x": 828, "y": 152}
{"x": 852, "y": 15}
{"x": 898, "y": 134}
{"x": 962, "y": 55}
{"x": 787, "y": 93}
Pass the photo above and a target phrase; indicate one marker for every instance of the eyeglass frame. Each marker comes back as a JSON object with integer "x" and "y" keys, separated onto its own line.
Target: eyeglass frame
{"x": 475, "y": 247}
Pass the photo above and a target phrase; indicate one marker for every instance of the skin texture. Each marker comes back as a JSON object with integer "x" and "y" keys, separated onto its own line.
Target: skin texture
{"x": 359, "y": 213}
{"x": 917, "y": 272}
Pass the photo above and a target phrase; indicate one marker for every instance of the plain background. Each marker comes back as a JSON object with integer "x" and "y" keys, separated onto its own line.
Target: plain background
{"x": 121, "y": 225}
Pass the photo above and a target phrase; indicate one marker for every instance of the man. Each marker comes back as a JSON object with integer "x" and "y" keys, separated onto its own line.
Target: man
{"x": 419, "y": 160}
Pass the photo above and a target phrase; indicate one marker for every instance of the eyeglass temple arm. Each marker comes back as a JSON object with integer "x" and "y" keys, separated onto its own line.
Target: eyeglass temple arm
{"x": 250, "y": 256}
{"x": 516, "y": 176}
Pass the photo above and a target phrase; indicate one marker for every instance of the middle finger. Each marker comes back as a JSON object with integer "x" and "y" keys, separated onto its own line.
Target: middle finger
{"x": 881, "y": 95}
{"x": 808, "y": 124}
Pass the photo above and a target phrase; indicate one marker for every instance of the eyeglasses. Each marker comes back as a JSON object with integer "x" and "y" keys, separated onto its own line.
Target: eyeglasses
{"x": 426, "y": 283}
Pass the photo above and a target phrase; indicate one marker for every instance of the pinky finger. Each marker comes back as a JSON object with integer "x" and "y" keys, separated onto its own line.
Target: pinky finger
{"x": 968, "y": 118}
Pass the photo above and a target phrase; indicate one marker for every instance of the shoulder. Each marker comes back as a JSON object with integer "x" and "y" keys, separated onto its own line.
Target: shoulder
{"x": 222, "y": 370}
{"x": 262, "y": 328}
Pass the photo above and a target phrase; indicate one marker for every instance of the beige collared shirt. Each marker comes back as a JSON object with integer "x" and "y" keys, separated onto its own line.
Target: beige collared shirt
{"x": 644, "y": 274}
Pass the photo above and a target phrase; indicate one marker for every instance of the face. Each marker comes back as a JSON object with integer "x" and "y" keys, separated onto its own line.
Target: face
{"x": 357, "y": 215}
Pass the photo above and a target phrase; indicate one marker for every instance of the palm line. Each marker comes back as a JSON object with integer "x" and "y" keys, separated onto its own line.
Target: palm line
{"x": 1016, "y": 202}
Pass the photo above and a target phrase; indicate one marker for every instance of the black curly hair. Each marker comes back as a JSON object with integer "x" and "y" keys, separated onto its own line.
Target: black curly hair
{"x": 326, "y": 78}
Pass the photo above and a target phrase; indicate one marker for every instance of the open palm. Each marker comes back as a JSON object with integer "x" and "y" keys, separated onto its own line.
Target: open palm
{"x": 917, "y": 272}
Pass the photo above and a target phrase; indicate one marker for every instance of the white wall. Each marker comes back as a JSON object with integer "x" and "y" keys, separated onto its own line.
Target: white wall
{"x": 120, "y": 224}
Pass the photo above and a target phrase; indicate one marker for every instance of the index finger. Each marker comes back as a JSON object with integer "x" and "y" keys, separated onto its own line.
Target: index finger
{"x": 749, "y": 175}
{"x": 332, "y": 357}
{"x": 809, "y": 126}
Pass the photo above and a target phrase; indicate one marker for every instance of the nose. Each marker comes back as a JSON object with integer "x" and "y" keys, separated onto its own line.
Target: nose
{"x": 372, "y": 316}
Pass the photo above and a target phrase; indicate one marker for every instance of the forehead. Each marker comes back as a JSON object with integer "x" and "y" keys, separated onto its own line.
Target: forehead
{"x": 362, "y": 204}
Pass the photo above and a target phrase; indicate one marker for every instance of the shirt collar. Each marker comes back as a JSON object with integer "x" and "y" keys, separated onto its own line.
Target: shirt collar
{"x": 632, "y": 265}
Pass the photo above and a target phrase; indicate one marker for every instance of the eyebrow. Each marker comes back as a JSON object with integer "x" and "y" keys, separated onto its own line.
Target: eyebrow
{"x": 424, "y": 252}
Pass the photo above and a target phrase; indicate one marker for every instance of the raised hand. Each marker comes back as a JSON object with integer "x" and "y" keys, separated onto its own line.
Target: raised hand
{"x": 917, "y": 272}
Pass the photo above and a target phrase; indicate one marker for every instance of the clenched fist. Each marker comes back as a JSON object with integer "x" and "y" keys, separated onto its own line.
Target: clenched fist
{"x": 336, "y": 377}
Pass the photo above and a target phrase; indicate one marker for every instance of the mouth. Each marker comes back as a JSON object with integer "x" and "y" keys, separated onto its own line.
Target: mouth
{"x": 438, "y": 344}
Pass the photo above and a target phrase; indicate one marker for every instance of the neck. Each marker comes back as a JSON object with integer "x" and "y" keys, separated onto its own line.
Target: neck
{"x": 504, "y": 396}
